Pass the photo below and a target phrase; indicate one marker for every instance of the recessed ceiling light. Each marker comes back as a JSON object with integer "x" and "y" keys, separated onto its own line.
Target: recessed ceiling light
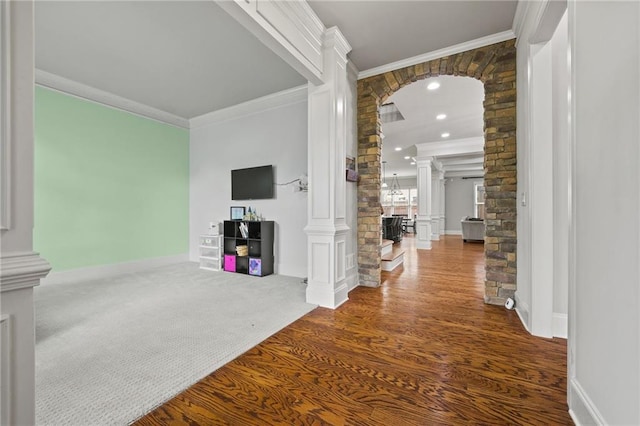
{"x": 406, "y": 157}
{"x": 398, "y": 148}
{"x": 413, "y": 163}
{"x": 445, "y": 135}
{"x": 441, "y": 116}
{"x": 433, "y": 85}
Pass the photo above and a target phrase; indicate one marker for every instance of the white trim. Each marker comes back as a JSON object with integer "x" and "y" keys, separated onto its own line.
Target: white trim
{"x": 82, "y": 91}
{"x": 284, "y": 31}
{"x": 22, "y": 270}
{"x": 453, "y": 232}
{"x": 464, "y": 173}
{"x": 519, "y": 19}
{"x": 291, "y": 270}
{"x": 104, "y": 271}
{"x": 334, "y": 39}
{"x": 522, "y": 309}
{"x": 352, "y": 280}
{"x": 560, "y": 325}
{"x": 453, "y": 147}
{"x": 583, "y": 411}
{"x": 440, "y": 53}
{"x": 352, "y": 70}
{"x": 264, "y": 103}
{"x": 5, "y": 117}
{"x": 6, "y": 363}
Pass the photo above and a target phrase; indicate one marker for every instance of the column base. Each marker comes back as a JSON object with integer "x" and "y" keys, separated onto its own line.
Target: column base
{"x": 326, "y": 253}
{"x": 327, "y": 297}
{"x": 435, "y": 229}
{"x": 423, "y": 234}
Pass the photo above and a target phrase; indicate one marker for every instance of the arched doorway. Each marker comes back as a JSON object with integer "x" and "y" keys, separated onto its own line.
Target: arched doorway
{"x": 495, "y": 67}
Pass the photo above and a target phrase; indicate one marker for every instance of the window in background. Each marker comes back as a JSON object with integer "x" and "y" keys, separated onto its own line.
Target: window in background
{"x": 478, "y": 199}
{"x": 405, "y": 203}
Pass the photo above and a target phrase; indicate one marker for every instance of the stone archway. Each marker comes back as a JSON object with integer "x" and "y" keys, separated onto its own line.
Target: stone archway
{"x": 495, "y": 67}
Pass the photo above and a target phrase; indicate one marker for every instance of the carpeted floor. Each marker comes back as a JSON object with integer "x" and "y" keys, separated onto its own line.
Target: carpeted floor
{"x": 108, "y": 351}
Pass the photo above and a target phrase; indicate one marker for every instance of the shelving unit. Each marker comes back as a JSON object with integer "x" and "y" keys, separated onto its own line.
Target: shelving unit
{"x": 257, "y": 236}
{"x": 210, "y": 252}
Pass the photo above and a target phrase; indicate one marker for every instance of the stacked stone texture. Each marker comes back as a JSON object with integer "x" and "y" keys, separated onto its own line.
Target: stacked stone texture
{"x": 495, "y": 66}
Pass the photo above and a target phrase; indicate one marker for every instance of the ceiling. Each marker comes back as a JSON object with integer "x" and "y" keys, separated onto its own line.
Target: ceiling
{"x": 381, "y": 32}
{"x": 189, "y": 58}
{"x": 182, "y": 57}
{"x": 460, "y": 98}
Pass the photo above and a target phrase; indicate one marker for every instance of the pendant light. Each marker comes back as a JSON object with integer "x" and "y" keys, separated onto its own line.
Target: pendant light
{"x": 395, "y": 185}
{"x": 384, "y": 174}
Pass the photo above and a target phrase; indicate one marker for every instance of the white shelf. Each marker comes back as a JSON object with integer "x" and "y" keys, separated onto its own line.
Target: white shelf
{"x": 210, "y": 252}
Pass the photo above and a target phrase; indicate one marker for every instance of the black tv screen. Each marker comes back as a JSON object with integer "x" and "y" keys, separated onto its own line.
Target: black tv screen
{"x": 255, "y": 183}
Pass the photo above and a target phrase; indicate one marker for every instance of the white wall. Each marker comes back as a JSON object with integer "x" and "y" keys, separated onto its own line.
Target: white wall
{"x": 458, "y": 202}
{"x": 604, "y": 297}
{"x": 560, "y": 128}
{"x": 277, "y": 136}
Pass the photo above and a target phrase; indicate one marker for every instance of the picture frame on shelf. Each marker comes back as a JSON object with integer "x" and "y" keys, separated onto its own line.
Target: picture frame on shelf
{"x": 237, "y": 213}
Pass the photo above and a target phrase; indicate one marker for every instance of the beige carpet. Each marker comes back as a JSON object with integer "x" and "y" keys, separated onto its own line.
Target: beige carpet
{"x": 109, "y": 351}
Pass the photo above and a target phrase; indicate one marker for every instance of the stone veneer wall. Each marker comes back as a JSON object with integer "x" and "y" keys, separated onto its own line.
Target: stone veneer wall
{"x": 495, "y": 66}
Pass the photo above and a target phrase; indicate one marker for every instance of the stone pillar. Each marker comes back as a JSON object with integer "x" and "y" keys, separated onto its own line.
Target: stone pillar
{"x": 435, "y": 206}
{"x": 423, "y": 220}
{"x": 442, "y": 181}
{"x": 326, "y": 226}
{"x": 20, "y": 268}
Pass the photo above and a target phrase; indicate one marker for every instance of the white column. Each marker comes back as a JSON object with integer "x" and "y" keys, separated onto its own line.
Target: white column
{"x": 20, "y": 268}
{"x": 327, "y": 228}
{"x": 435, "y": 206}
{"x": 423, "y": 220}
{"x": 442, "y": 201}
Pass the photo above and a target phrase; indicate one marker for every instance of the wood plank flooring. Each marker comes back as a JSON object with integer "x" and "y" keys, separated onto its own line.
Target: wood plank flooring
{"x": 422, "y": 349}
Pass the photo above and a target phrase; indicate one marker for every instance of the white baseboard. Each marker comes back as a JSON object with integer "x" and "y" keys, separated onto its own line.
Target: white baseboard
{"x": 560, "y": 325}
{"x": 291, "y": 270}
{"x": 352, "y": 278}
{"x": 452, "y": 232}
{"x": 522, "y": 309}
{"x": 581, "y": 408}
{"x": 102, "y": 271}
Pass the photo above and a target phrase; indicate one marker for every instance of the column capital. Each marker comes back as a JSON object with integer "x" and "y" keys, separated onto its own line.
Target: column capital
{"x": 334, "y": 39}
{"x": 424, "y": 161}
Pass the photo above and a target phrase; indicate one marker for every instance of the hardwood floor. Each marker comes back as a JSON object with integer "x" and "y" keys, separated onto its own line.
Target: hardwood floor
{"x": 422, "y": 349}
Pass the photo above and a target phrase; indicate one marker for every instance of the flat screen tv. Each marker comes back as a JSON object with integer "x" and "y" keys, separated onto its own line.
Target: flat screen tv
{"x": 255, "y": 183}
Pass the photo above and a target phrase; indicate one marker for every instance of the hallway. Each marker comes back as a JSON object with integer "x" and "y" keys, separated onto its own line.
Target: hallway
{"x": 421, "y": 349}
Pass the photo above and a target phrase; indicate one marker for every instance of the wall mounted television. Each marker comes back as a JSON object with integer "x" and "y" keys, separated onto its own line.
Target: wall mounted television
{"x": 254, "y": 183}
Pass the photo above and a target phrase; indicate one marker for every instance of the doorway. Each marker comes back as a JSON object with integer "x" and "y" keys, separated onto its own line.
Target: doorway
{"x": 495, "y": 67}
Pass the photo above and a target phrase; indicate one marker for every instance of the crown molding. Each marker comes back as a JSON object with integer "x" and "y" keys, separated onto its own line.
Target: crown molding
{"x": 519, "y": 19}
{"x": 453, "y": 147}
{"x": 334, "y": 39}
{"x": 352, "y": 70}
{"x": 447, "y": 51}
{"x": 82, "y": 91}
{"x": 274, "y": 100}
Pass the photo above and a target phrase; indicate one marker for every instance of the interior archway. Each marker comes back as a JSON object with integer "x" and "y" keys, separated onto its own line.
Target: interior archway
{"x": 495, "y": 67}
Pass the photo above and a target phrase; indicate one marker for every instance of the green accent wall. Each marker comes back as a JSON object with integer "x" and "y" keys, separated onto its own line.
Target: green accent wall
{"x": 110, "y": 186}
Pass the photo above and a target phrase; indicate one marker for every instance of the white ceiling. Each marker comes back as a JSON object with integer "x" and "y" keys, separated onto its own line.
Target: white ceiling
{"x": 460, "y": 98}
{"x": 382, "y": 32}
{"x": 182, "y": 57}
